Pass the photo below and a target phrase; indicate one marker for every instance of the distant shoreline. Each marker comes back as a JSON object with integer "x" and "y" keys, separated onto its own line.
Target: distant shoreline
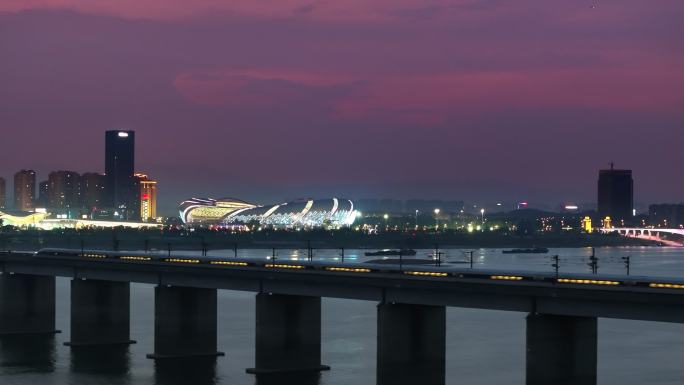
{"x": 211, "y": 240}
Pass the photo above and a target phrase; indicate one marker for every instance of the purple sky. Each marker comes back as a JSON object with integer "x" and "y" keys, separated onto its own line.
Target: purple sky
{"x": 278, "y": 99}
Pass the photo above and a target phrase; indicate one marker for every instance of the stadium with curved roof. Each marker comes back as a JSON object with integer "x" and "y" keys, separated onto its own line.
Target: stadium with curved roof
{"x": 310, "y": 213}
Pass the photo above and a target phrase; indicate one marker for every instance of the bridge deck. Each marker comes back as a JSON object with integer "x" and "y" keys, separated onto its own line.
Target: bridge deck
{"x": 619, "y": 301}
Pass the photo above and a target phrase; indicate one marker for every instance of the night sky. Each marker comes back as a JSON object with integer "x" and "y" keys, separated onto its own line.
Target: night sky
{"x": 279, "y": 99}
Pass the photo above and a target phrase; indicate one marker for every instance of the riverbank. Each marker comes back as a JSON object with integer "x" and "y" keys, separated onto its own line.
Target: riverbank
{"x": 122, "y": 239}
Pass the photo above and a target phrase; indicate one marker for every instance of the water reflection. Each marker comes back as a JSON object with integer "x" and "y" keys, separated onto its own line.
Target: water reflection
{"x": 183, "y": 371}
{"x": 288, "y": 378}
{"x": 113, "y": 359}
{"x": 28, "y": 352}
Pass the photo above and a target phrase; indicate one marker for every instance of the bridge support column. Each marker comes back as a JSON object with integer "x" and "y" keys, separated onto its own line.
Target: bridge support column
{"x": 561, "y": 350}
{"x": 27, "y": 304}
{"x": 411, "y": 344}
{"x": 288, "y": 334}
{"x": 100, "y": 313}
{"x": 184, "y": 323}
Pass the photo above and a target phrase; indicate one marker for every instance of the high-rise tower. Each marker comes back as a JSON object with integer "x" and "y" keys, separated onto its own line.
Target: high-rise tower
{"x": 24, "y": 190}
{"x": 121, "y": 190}
{"x": 148, "y": 197}
{"x": 616, "y": 195}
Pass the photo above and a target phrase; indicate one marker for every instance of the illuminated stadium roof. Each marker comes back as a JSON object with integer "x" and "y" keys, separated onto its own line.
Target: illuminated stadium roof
{"x": 306, "y": 213}
{"x": 21, "y": 219}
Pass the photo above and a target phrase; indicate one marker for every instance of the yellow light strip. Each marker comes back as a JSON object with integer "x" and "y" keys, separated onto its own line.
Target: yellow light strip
{"x": 90, "y": 255}
{"x": 135, "y": 258}
{"x": 229, "y": 263}
{"x": 427, "y": 273}
{"x": 507, "y": 277}
{"x": 283, "y": 266}
{"x": 348, "y": 269}
{"x": 666, "y": 285}
{"x": 180, "y": 260}
{"x": 587, "y": 281}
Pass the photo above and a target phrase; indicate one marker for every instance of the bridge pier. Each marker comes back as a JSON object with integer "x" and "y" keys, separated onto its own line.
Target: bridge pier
{"x": 561, "y": 350}
{"x": 184, "y": 323}
{"x": 27, "y": 304}
{"x": 411, "y": 347}
{"x": 100, "y": 313}
{"x": 288, "y": 334}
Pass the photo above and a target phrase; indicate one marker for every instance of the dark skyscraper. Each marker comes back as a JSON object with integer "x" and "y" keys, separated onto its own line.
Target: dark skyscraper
{"x": 24, "y": 190}
{"x": 3, "y": 193}
{"x": 121, "y": 190}
{"x": 616, "y": 195}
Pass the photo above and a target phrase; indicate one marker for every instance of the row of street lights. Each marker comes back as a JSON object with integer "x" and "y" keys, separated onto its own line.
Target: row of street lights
{"x": 436, "y": 211}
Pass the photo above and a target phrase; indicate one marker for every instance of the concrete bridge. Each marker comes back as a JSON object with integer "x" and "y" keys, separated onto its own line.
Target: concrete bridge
{"x": 670, "y": 237}
{"x": 411, "y": 312}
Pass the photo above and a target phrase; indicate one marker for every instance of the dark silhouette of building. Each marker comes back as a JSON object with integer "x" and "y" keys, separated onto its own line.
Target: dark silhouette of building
{"x": 666, "y": 215}
{"x": 121, "y": 188}
{"x": 3, "y": 193}
{"x": 64, "y": 193}
{"x": 616, "y": 195}
{"x": 43, "y": 192}
{"x": 24, "y": 190}
{"x": 92, "y": 191}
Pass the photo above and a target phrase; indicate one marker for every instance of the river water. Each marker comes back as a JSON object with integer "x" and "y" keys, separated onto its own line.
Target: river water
{"x": 483, "y": 346}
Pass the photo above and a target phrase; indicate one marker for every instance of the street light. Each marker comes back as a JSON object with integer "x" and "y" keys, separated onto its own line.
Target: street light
{"x": 482, "y": 212}
{"x": 416, "y": 219}
{"x": 386, "y": 216}
{"x": 436, "y": 219}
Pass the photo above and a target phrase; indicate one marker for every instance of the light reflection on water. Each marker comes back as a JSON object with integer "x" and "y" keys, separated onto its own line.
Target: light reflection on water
{"x": 483, "y": 347}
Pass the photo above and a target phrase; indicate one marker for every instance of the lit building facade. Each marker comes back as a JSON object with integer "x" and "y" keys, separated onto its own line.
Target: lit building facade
{"x": 3, "y": 193}
{"x": 121, "y": 189}
{"x": 148, "y": 197}
{"x": 25, "y": 190}
{"x": 616, "y": 195}
{"x": 586, "y": 225}
{"x": 311, "y": 213}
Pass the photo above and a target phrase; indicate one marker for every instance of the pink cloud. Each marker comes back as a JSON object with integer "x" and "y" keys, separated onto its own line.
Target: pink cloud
{"x": 353, "y": 10}
{"x": 430, "y": 99}
{"x": 236, "y": 86}
{"x": 654, "y": 89}
{"x": 180, "y": 9}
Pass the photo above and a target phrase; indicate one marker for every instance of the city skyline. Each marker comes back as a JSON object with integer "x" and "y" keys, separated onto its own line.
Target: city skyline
{"x": 505, "y": 204}
{"x": 437, "y": 100}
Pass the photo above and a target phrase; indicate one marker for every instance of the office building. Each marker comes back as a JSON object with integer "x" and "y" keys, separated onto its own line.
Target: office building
{"x": 92, "y": 191}
{"x": 121, "y": 190}
{"x": 64, "y": 193}
{"x": 24, "y": 190}
{"x": 3, "y": 193}
{"x": 148, "y": 197}
{"x": 616, "y": 195}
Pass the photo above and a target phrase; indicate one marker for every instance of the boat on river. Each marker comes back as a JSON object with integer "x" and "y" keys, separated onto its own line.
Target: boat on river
{"x": 390, "y": 252}
{"x": 534, "y": 250}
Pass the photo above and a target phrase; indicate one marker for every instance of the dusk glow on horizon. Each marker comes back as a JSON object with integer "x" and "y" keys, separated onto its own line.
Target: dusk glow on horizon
{"x": 269, "y": 100}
